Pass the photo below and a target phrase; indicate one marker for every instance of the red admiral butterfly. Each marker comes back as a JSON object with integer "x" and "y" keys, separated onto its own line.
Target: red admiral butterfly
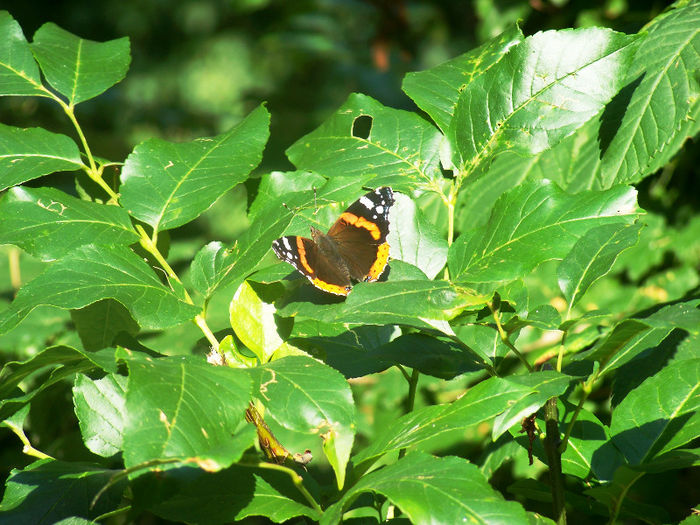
{"x": 354, "y": 249}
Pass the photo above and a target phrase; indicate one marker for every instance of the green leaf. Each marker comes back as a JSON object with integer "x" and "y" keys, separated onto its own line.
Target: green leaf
{"x": 99, "y": 323}
{"x": 354, "y": 352}
{"x": 531, "y": 224}
{"x": 19, "y": 74}
{"x": 222, "y": 497}
{"x": 542, "y": 386}
{"x": 26, "y": 154}
{"x": 94, "y": 272}
{"x": 423, "y": 304}
{"x": 434, "y": 490}
{"x": 48, "y": 491}
{"x": 254, "y": 322}
{"x": 306, "y": 396}
{"x": 99, "y": 405}
{"x": 589, "y": 451}
{"x": 414, "y": 239}
{"x": 542, "y": 90}
{"x": 48, "y": 223}
{"x": 184, "y": 408}
{"x": 436, "y": 90}
{"x": 65, "y": 363}
{"x": 429, "y": 355}
{"x": 401, "y": 149}
{"x": 592, "y": 257}
{"x": 79, "y": 69}
{"x": 660, "y": 414}
{"x": 661, "y": 96}
{"x": 166, "y": 185}
{"x": 480, "y": 404}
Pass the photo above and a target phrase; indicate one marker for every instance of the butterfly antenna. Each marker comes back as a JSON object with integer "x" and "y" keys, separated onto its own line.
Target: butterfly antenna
{"x": 315, "y": 205}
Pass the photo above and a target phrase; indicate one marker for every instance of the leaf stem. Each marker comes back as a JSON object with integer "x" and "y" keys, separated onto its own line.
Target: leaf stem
{"x": 551, "y": 445}
{"x": 450, "y": 201}
{"x": 587, "y": 388}
{"x": 27, "y": 449}
{"x": 150, "y": 246}
{"x": 506, "y": 339}
{"x": 15, "y": 269}
{"x": 296, "y": 479}
{"x": 411, "y": 399}
{"x": 93, "y": 171}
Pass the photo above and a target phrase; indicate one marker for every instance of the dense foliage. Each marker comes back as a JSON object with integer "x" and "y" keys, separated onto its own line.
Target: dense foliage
{"x": 530, "y": 356}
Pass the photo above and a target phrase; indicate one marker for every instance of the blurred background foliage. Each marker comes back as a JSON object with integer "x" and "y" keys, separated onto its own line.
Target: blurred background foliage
{"x": 199, "y": 66}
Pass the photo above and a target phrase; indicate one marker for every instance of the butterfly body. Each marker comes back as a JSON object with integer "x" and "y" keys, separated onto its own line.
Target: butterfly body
{"x": 354, "y": 249}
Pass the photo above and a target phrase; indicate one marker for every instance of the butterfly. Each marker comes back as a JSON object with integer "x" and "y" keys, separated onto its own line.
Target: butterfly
{"x": 355, "y": 249}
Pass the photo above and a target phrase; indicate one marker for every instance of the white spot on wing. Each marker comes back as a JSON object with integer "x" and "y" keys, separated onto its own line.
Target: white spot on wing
{"x": 367, "y": 203}
{"x": 379, "y": 209}
{"x": 286, "y": 243}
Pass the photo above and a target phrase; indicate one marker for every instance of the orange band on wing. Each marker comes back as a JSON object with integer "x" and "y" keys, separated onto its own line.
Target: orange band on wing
{"x": 302, "y": 256}
{"x": 332, "y": 288}
{"x": 361, "y": 222}
{"x": 378, "y": 267}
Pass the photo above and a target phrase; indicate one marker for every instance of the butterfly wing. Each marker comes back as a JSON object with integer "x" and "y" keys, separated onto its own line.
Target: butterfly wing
{"x": 303, "y": 254}
{"x": 360, "y": 234}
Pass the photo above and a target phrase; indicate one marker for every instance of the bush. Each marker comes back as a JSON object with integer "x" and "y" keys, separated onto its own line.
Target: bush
{"x": 550, "y": 322}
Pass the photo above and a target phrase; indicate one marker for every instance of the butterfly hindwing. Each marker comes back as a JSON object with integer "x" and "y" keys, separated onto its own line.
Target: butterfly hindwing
{"x": 355, "y": 247}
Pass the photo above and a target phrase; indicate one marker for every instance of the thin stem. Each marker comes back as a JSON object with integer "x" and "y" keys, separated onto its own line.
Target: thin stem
{"x": 15, "y": 269}
{"x": 505, "y": 338}
{"x": 450, "y": 201}
{"x": 411, "y": 399}
{"x": 27, "y": 449}
{"x": 489, "y": 368}
{"x": 586, "y": 391}
{"x": 115, "y": 512}
{"x": 150, "y": 246}
{"x": 296, "y": 479}
{"x": 551, "y": 445}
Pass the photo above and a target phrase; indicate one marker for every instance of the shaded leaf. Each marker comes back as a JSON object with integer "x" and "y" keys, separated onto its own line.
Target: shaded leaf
{"x": 222, "y": 497}
{"x": 99, "y": 323}
{"x": 48, "y": 223}
{"x": 92, "y": 273}
{"x": 65, "y": 361}
{"x": 48, "y": 490}
{"x": 77, "y": 68}
{"x": 28, "y": 153}
{"x": 166, "y": 185}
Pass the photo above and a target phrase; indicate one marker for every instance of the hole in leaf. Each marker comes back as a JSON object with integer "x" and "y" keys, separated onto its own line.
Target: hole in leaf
{"x": 362, "y": 126}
